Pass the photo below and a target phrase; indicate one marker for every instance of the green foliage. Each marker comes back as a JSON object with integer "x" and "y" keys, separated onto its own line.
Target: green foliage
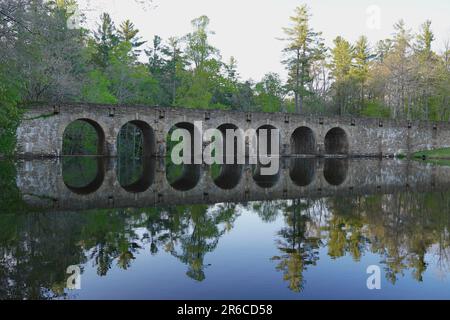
{"x": 10, "y": 197}
{"x": 9, "y": 111}
{"x": 374, "y": 109}
{"x": 443, "y": 153}
{"x": 80, "y": 138}
{"x": 79, "y": 172}
{"x": 96, "y": 89}
{"x": 270, "y": 93}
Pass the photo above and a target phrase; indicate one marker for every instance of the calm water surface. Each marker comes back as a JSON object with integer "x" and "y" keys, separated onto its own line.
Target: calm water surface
{"x": 143, "y": 229}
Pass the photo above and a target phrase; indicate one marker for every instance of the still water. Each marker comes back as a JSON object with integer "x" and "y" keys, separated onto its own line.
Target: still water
{"x": 146, "y": 229}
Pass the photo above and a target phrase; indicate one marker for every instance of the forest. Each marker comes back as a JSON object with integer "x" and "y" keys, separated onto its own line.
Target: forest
{"x": 45, "y": 58}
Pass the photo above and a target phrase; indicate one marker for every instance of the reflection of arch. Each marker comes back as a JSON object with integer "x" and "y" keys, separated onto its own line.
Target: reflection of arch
{"x": 228, "y": 149}
{"x": 265, "y": 181}
{"x": 303, "y": 141}
{"x": 229, "y": 177}
{"x": 146, "y": 178}
{"x": 336, "y": 142}
{"x": 98, "y": 130}
{"x": 302, "y": 171}
{"x": 188, "y": 179}
{"x": 73, "y": 166}
{"x": 270, "y": 148}
{"x": 335, "y": 171}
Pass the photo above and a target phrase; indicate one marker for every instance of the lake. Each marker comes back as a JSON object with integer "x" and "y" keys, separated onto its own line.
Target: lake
{"x": 148, "y": 229}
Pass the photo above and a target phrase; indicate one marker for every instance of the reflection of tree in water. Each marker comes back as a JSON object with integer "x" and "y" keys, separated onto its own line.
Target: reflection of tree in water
{"x": 108, "y": 236}
{"x": 268, "y": 211}
{"x": 205, "y": 229}
{"x": 298, "y": 250}
{"x": 36, "y": 248}
{"x": 401, "y": 228}
{"x": 345, "y": 229}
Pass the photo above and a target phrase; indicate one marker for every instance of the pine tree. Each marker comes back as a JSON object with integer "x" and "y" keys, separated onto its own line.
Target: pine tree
{"x": 304, "y": 47}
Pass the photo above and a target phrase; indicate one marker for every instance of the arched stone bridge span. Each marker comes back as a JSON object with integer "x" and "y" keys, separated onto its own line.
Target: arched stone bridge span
{"x": 41, "y": 132}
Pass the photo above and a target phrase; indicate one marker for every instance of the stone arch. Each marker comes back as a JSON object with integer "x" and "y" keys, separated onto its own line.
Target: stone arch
{"x": 81, "y": 165}
{"x": 302, "y": 171}
{"x": 335, "y": 171}
{"x": 229, "y": 176}
{"x": 303, "y": 141}
{"x": 336, "y": 142}
{"x": 138, "y": 167}
{"x": 68, "y": 137}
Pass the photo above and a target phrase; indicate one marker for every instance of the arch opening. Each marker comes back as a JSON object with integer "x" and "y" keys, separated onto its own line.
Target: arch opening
{"x": 336, "y": 142}
{"x": 232, "y": 149}
{"x": 83, "y": 137}
{"x": 83, "y": 175}
{"x": 303, "y": 141}
{"x": 193, "y": 131}
{"x": 183, "y": 177}
{"x": 302, "y": 171}
{"x": 271, "y": 150}
{"x": 335, "y": 171}
{"x": 135, "y": 148}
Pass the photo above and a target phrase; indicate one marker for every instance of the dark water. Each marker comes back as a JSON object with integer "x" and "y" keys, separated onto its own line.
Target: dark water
{"x": 145, "y": 229}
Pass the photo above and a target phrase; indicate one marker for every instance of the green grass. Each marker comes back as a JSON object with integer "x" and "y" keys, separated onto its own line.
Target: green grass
{"x": 441, "y": 154}
{"x": 440, "y": 162}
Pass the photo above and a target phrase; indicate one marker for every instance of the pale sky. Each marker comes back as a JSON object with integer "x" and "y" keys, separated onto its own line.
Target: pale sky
{"x": 249, "y": 29}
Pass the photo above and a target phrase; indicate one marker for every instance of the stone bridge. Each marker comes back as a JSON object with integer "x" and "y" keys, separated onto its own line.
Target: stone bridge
{"x": 42, "y": 185}
{"x": 41, "y": 132}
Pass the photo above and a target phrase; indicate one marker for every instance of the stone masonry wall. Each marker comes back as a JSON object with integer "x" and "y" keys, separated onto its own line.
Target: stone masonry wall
{"x": 41, "y": 132}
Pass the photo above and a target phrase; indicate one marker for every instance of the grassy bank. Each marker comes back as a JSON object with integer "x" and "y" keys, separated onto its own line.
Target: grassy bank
{"x": 438, "y": 154}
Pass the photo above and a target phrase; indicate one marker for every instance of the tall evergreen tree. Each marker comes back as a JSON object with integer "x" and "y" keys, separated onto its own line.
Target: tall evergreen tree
{"x": 304, "y": 46}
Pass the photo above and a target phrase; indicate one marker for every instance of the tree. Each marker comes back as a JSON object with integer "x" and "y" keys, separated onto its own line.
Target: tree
{"x": 399, "y": 67}
{"x": 128, "y": 33}
{"x": 198, "y": 49}
{"x": 105, "y": 40}
{"x": 303, "y": 48}
{"x": 270, "y": 93}
{"x": 341, "y": 64}
{"x": 425, "y": 66}
{"x": 362, "y": 57}
{"x": 200, "y": 84}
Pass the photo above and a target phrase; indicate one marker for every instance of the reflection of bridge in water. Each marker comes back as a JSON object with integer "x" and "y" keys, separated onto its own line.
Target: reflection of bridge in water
{"x": 43, "y": 186}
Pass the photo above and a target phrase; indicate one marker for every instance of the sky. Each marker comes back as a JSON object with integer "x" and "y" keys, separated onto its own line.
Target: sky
{"x": 249, "y": 30}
